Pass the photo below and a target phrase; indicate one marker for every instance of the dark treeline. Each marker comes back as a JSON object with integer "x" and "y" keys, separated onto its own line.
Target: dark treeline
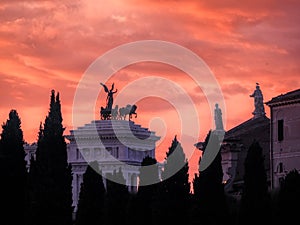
{"x": 43, "y": 195}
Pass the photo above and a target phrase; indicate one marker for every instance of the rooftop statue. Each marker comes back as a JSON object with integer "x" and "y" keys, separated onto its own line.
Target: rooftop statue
{"x": 259, "y": 109}
{"x": 127, "y": 110}
{"x": 116, "y": 113}
{"x": 110, "y": 93}
{"x": 106, "y": 112}
{"x": 218, "y": 118}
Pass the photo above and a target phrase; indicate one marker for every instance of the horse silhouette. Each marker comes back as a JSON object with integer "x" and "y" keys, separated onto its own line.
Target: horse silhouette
{"x": 105, "y": 113}
{"x": 127, "y": 110}
{"x": 114, "y": 113}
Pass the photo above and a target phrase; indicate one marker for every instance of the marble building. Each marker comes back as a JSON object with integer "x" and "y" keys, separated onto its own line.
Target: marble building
{"x": 29, "y": 153}
{"x": 115, "y": 144}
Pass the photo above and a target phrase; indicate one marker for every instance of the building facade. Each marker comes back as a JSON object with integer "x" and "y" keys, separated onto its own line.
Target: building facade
{"x": 114, "y": 144}
{"x": 285, "y": 135}
{"x": 237, "y": 141}
{"x": 30, "y": 150}
{"x": 235, "y": 147}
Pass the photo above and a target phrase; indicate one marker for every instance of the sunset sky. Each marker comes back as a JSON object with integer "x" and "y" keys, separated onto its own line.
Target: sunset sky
{"x": 47, "y": 45}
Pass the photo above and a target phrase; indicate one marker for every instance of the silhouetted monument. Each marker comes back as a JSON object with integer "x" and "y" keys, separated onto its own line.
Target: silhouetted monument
{"x": 127, "y": 110}
{"x": 116, "y": 113}
{"x": 123, "y": 147}
{"x": 110, "y": 93}
{"x": 258, "y": 102}
{"x": 106, "y": 112}
{"x": 218, "y": 118}
{"x": 237, "y": 141}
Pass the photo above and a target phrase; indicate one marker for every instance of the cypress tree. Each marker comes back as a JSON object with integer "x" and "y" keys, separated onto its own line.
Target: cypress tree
{"x": 148, "y": 177}
{"x": 208, "y": 186}
{"x": 91, "y": 197}
{"x": 147, "y": 192}
{"x": 12, "y": 171}
{"x": 176, "y": 186}
{"x": 117, "y": 198}
{"x": 255, "y": 196}
{"x": 33, "y": 189}
{"x": 53, "y": 175}
{"x": 31, "y": 212}
{"x": 289, "y": 198}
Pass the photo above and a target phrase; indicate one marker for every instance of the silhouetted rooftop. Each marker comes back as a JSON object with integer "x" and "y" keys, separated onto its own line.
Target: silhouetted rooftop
{"x": 256, "y": 128}
{"x": 244, "y": 128}
{"x": 283, "y": 99}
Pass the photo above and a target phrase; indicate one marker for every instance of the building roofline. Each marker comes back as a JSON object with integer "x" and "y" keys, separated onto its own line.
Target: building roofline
{"x": 288, "y": 98}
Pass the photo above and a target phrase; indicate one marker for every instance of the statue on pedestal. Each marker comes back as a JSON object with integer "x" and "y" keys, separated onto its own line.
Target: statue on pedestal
{"x": 259, "y": 109}
{"x": 116, "y": 113}
{"x": 106, "y": 112}
{"x": 218, "y": 118}
{"x": 110, "y": 93}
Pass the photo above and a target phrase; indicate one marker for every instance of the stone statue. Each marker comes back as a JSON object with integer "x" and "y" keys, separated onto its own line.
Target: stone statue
{"x": 218, "y": 118}
{"x": 108, "y": 113}
{"x": 114, "y": 112}
{"x": 127, "y": 110}
{"x": 259, "y": 109}
{"x": 109, "y": 99}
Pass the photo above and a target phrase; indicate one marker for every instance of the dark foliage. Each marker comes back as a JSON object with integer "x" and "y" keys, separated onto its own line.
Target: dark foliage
{"x": 289, "y": 198}
{"x": 12, "y": 172}
{"x": 44, "y": 196}
{"x": 209, "y": 195}
{"x": 51, "y": 175}
{"x": 142, "y": 204}
{"x": 91, "y": 198}
{"x": 175, "y": 186}
{"x": 255, "y": 197}
{"x": 175, "y": 174}
{"x": 117, "y": 199}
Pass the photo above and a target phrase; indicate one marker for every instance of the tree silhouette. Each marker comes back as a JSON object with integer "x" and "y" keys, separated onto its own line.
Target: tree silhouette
{"x": 208, "y": 187}
{"x": 91, "y": 197}
{"x": 142, "y": 205}
{"x": 175, "y": 187}
{"x": 53, "y": 176}
{"x": 148, "y": 175}
{"x": 117, "y": 198}
{"x": 289, "y": 198}
{"x": 31, "y": 212}
{"x": 176, "y": 184}
{"x": 255, "y": 198}
{"x": 12, "y": 171}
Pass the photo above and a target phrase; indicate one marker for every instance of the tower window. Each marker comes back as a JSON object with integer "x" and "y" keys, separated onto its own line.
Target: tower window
{"x": 280, "y": 130}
